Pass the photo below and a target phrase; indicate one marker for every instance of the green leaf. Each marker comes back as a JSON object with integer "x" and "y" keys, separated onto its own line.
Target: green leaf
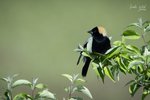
{"x": 145, "y": 23}
{"x": 22, "y": 96}
{"x": 148, "y": 72}
{"x": 134, "y": 24}
{"x": 146, "y": 52}
{"x": 130, "y": 34}
{"x": 140, "y": 22}
{"x": 147, "y": 28}
{"x": 69, "y": 77}
{"x": 75, "y": 77}
{"x": 5, "y": 79}
{"x": 47, "y": 94}
{"x": 135, "y": 63}
{"x": 145, "y": 93}
{"x": 9, "y": 78}
{"x": 79, "y": 81}
{"x": 40, "y": 86}
{"x": 72, "y": 99}
{"x": 34, "y": 81}
{"x": 79, "y": 49}
{"x": 86, "y": 54}
{"x": 76, "y": 98}
{"x": 109, "y": 73}
{"x": 7, "y": 95}
{"x": 133, "y": 88}
{"x": 121, "y": 66}
{"x": 112, "y": 52}
{"x": 67, "y": 89}
{"x": 21, "y": 82}
{"x": 131, "y": 81}
{"x": 99, "y": 71}
{"x": 133, "y": 48}
{"x": 86, "y": 91}
{"x": 117, "y": 43}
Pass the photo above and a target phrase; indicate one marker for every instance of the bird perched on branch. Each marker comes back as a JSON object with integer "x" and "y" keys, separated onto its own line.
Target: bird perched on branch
{"x": 98, "y": 42}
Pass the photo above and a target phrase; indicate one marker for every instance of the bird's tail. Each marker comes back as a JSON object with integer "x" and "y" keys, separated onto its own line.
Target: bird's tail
{"x": 79, "y": 59}
{"x": 86, "y": 66}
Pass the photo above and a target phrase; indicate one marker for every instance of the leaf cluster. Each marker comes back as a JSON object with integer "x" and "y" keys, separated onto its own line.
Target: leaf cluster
{"x": 125, "y": 58}
{"x": 42, "y": 94}
{"x": 39, "y": 91}
{"x": 76, "y": 85}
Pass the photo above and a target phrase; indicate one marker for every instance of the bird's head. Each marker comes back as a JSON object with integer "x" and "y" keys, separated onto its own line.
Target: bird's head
{"x": 96, "y": 31}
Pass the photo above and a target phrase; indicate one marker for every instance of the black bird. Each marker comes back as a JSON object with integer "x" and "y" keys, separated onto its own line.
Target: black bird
{"x": 98, "y": 42}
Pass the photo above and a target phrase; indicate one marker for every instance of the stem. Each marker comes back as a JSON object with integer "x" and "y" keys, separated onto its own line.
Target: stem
{"x": 70, "y": 92}
{"x": 10, "y": 94}
{"x": 144, "y": 39}
{"x": 32, "y": 93}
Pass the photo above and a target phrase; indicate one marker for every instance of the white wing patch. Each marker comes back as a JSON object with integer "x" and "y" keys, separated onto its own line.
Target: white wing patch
{"x": 89, "y": 44}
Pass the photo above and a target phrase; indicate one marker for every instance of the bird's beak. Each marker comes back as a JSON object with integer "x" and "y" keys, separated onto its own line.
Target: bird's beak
{"x": 90, "y": 32}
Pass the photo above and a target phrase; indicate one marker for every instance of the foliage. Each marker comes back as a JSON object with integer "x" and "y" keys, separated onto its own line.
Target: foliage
{"x": 76, "y": 86}
{"x": 126, "y": 59}
{"x": 43, "y": 93}
{"x": 121, "y": 58}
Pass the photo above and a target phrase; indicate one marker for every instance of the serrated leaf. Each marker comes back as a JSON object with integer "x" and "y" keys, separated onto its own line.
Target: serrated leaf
{"x": 130, "y": 34}
{"x": 109, "y": 74}
{"x": 40, "y": 86}
{"x": 47, "y": 94}
{"x": 69, "y": 77}
{"x": 21, "y": 82}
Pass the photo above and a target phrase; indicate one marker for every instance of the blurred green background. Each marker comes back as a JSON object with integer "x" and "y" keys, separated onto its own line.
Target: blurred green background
{"x": 37, "y": 39}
